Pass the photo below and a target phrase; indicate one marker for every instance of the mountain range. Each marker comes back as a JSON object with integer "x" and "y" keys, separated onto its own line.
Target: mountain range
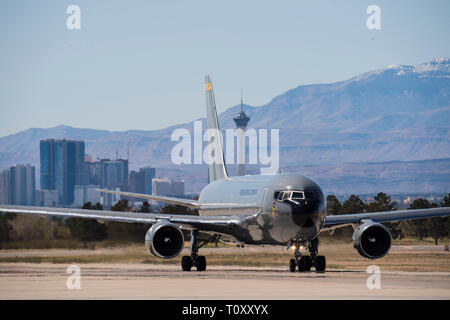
{"x": 391, "y": 115}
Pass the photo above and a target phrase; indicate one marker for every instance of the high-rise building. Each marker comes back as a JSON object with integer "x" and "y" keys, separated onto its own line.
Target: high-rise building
{"x": 167, "y": 187}
{"x": 83, "y": 194}
{"x": 62, "y": 167}
{"x": 46, "y": 198}
{"x": 5, "y": 187}
{"x": 149, "y": 174}
{"x": 141, "y": 181}
{"x": 22, "y": 185}
{"x": 108, "y": 199}
{"x": 137, "y": 182}
{"x": 87, "y": 167}
{"x": 114, "y": 173}
{"x": 241, "y": 120}
{"x": 95, "y": 173}
{"x": 161, "y": 187}
{"x": 177, "y": 188}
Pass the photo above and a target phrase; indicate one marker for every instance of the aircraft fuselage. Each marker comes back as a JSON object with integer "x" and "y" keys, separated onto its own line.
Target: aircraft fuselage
{"x": 268, "y": 219}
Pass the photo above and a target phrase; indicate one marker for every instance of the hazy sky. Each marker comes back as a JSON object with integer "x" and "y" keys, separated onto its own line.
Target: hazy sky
{"x": 141, "y": 64}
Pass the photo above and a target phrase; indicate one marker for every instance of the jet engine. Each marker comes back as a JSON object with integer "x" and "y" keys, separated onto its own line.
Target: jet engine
{"x": 164, "y": 240}
{"x": 371, "y": 239}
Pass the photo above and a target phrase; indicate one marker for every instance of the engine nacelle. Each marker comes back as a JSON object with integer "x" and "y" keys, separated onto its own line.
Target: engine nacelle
{"x": 372, "y": 240}
{"x": 164, "y": 240}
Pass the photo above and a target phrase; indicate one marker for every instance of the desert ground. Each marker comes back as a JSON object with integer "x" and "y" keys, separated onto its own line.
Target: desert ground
{"x": 129, "y": 272}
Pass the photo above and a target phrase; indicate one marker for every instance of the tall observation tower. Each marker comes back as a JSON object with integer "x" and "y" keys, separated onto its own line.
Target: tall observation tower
{"x": 241, "y": 120}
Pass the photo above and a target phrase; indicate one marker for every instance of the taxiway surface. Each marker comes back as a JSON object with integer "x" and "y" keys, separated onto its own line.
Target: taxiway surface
{"x": 139, "y": 281}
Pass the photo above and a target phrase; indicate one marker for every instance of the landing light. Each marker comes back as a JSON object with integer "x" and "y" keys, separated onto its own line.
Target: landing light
{"x": 293, "y": 247}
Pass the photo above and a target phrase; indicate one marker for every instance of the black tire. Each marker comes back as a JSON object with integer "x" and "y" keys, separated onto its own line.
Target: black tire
{"x": 186, "y": 263}
{"x": 304, "y": 264}
{"x": 201, "y": 263}
{"x": 292, "y": 265}
{"x": 308, "y": 263}
{"x": 320, "y": 263}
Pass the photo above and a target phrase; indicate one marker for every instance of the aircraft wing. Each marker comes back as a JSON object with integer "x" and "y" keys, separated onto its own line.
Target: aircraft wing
{"x": 195, "y": 204}
{"x": 215, "y": 224}
{"x": 336, "y": 221}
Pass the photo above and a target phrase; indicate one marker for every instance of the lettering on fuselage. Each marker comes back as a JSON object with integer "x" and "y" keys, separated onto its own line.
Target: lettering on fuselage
{"x": 248, "y": 192}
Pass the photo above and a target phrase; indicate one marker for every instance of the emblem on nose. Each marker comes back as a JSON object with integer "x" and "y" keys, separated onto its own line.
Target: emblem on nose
{"x": 274, "y": 210}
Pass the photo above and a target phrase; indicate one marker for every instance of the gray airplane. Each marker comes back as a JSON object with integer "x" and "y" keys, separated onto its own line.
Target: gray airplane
{"x": 280, "y": 209}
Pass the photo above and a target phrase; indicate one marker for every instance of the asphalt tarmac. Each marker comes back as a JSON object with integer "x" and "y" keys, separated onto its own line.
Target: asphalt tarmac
{"x": 145, "y": 281}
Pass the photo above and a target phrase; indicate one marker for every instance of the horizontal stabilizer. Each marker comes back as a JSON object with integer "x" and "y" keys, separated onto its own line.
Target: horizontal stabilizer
{"x": 182, "y": 202}
{"x": 195, "y": 204}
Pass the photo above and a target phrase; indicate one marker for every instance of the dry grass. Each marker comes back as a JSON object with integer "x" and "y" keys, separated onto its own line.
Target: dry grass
{"x": 339, "y": 256}
{"x": 345, "y": 257}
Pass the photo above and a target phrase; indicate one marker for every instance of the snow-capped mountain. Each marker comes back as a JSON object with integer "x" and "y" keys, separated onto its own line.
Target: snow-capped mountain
{"x": 397, "y": 113}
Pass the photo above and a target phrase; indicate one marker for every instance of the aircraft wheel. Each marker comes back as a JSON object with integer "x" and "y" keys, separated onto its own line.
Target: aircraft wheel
{"x": 186, "y": 263}
{"x": 304, "y": 264}
{"x": 292, "y": 265}
{"x": 201, "y": 263}
{"x": 308, "y": 263}
{"x": 320, "y": 263}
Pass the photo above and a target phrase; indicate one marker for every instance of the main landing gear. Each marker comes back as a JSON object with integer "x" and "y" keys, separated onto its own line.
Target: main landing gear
{"x": 304, "y": 263}
{"x": 194, "y": 260}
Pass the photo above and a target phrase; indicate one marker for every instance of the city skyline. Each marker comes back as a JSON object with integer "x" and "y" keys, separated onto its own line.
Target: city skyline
{"x": 69, "y": 177}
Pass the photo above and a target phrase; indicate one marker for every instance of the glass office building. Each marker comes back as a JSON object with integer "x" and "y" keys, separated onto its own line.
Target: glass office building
{"x": 22, "y": 185}
{"x": 62, "y": 167}
{"x": 149, "y": 175}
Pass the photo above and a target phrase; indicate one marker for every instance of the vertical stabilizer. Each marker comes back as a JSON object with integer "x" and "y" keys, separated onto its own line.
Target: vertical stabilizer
{"x": 217, "y": 169}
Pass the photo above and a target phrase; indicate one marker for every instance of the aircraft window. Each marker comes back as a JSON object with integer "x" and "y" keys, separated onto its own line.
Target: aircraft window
{"x": 297, "y": 195}
{"x": 289, "y": 195}
{"x": 286, "y": 195}
{"x": 282, "y": 195}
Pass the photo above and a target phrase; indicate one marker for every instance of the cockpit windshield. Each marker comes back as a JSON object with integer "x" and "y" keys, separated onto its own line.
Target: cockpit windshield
{"x": 295, "y": 195}
{"x": 298, "y": 195}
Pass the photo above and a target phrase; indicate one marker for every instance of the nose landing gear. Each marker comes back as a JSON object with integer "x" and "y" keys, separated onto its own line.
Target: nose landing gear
{"x": 304, "y": 262}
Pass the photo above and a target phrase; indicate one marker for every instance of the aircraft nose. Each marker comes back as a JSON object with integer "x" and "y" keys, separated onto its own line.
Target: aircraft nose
{"x": 305, "y": 212}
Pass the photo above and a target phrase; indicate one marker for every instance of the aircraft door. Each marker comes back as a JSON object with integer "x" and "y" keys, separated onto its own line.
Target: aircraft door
{"x": 263, "y": 200}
